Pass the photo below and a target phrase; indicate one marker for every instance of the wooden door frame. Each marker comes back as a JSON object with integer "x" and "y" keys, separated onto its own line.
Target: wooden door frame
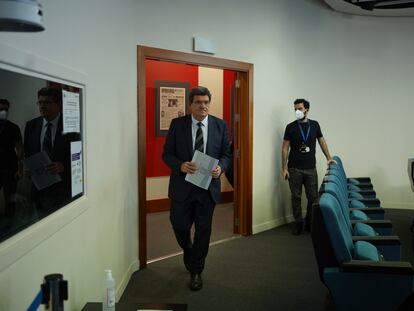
{"x": 244, "y": 124}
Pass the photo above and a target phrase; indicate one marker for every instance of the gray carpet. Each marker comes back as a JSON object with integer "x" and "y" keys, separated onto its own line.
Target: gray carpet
{"x": 401, "y": 221}
{"x": 161, "y": 239}
{"x": 272, "y": 270}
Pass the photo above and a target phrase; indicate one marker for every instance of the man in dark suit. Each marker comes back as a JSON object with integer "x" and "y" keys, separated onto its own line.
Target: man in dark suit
{"x": 189, "y": 203}
{"x": 45, "y": 133}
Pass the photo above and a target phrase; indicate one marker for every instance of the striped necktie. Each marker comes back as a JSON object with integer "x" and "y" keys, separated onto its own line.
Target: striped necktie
{"x": 199, "y": 141}
{"x": 47, "y": 140}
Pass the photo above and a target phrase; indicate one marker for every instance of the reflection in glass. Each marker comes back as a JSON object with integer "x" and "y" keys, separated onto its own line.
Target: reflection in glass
{"x": 36, "y": 167}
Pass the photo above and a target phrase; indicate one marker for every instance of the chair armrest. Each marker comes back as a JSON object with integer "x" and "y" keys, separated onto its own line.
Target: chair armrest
{"x": 379, "y": 240}
{"x": 361, "y": 179}
{"x": 366, "y": 192}
{"x": 365, "y": 186}
{"x": 388, "y": 267}
{"x": 369, "y": 202}
{"x": 369, "y": 210}
{"x": 374, "y": 223}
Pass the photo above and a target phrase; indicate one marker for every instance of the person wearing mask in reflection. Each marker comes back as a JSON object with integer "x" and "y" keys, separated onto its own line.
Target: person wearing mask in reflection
{"x": 11, "y": 154}
{"x": 190, "y": 203}
{"x": 299, "y": 162}
{"x": 45, "y": 134}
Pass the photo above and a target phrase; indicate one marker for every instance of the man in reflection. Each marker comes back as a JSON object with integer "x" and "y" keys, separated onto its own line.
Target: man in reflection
{"x": 45, "y": 134}
{"x": 11, "y": 153}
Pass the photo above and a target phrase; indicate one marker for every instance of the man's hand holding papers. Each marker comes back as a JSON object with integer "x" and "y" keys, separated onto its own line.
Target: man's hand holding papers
{"x": 206, "y": 168}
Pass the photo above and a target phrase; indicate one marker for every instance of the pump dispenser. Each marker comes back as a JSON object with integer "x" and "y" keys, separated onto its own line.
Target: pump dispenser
{"x": 108, "y": 303}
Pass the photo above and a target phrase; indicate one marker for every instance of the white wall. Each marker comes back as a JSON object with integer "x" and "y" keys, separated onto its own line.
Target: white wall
{"x": 96, "y": 39}
{"x": 356, "y": 71}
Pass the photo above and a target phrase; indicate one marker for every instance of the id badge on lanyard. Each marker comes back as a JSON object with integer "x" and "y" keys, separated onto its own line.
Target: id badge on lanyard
{"x": 304, "y": 148}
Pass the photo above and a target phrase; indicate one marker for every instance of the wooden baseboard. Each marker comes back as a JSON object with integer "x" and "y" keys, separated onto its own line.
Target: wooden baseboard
{"x": 163, "y": 205}
{"x": 159, "y": 205}
{"x": 227, "y": 197}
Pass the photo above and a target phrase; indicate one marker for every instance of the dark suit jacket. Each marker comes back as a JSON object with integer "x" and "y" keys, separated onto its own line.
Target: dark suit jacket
{"x": 61, "y": 145}
{"x": 178, "y": 148}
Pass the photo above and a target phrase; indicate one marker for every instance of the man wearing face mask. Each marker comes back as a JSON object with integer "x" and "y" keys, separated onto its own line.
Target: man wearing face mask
{"x": 11, "y": 154}
{"x": 299, "y": 162}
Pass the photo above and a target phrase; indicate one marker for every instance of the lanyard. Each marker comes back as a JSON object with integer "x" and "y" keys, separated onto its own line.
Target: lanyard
{"x": 303, "y": 134}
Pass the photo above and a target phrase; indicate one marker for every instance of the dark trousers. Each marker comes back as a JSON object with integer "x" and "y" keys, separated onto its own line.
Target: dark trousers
{"x": 8, "y": 183}
{"x": 198, "y": 208}
{"x": 51, "y": 198}
{"x": 309, "y": 179}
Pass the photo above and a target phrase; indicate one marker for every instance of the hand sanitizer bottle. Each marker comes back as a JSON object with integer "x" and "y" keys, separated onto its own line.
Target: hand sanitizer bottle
{"x": 108, "y": 303}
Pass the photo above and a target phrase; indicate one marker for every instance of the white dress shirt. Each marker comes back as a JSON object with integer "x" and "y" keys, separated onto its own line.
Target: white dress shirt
{"x": 54, "y": 126}
{"x": 204, "y": 127}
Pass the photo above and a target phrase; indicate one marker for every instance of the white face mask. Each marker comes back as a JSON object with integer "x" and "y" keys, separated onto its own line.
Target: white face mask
{"x": 299, "y": 114}
{"x": 3, "y": 114}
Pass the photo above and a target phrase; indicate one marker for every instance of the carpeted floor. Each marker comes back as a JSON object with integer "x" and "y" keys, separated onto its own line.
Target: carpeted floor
{"x": 272, "y": 270}
{"x": 401, "y": 221}
{"x": 161, "y": 240}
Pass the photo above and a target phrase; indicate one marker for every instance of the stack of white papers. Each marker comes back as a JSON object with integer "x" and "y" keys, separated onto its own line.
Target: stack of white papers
{"x": 205, "y": 163}
{"x": 36, "y": 164}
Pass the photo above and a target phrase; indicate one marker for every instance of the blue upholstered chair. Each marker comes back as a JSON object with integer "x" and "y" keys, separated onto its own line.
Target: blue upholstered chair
{"x": 336, "y": 169}
{"x": 352, "y": 180}
{"x": 359, "y": 210}
{"x": 358, "y": 191}
{"x": 388, "y": 245}
{"x": 353, "y": 270}
{"x": 355, "y": 184}
{"x": 373, "y": 217}
{"x": 369, "y": 200}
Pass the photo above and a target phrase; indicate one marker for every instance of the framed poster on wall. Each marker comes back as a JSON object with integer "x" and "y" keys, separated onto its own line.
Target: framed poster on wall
{"x": 170, "y": 102}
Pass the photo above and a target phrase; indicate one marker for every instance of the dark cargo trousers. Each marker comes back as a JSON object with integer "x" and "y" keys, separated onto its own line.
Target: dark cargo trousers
{"x": 309, "y": 179}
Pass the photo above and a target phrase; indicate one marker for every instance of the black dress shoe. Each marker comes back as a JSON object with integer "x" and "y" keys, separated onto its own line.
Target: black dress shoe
{"x": 196, "y": 282}
{"x": 307, "y": 227}
{"x": 296, "y": 228}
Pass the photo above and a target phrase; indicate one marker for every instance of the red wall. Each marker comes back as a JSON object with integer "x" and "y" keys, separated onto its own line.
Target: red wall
{"x": 159, "y": 70}
{"x": 229, "y": 77}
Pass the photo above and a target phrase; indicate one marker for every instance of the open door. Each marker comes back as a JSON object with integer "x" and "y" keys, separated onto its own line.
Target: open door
{"x": 242, "y": 133}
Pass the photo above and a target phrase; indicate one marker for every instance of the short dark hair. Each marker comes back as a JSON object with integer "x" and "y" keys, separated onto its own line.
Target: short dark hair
{"x": 53, "y": 92}
{"x": 5, "y": 102}
{"x": 306, "y": 104}
{"x": 199, "y": 90}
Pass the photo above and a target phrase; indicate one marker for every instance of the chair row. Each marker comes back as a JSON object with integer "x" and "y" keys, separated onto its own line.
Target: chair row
{"x": 359, "y": 258}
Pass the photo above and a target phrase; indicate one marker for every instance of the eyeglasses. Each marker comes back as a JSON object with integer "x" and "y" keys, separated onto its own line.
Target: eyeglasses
{"x": 45, "y": 102}
{"x": 200, "y": 102}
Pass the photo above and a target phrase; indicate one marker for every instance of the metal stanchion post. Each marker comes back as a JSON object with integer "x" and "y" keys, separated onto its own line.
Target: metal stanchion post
{"x": 55, "y": 291}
